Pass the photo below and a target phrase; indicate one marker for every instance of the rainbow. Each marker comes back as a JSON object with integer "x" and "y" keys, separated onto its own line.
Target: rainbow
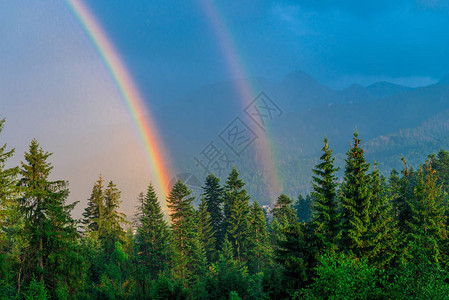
{"x": 264, "y": 147}
{"x": 130, "y": 94}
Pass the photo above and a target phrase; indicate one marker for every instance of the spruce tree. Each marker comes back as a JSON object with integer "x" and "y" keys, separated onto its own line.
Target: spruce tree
{"x": 283, "y": 211}
{"x": 189, "y": 256}
{"x": 213, "y": 195}
{"x": 7, "y": 189}
{"x": 382, "y": 230}
{"x": 259, "y": 251}
{"x": 113, "y": 219}
{"x": 236, "y": 211}
{"x": 205, "y": 230}
{"x": 324, "y": 209}
{"x": 401, "y": 203}
{"x": 283, "y": 217}
{"x": 291, "y": 254}
{"x": 152, "y": 238}
{"x": 94, "y": 212}
{"x": 440, "y": 163}
{"x": 356, "y": 196}
{"x": 51, "y": 253}
{"x": 428, "y": 220}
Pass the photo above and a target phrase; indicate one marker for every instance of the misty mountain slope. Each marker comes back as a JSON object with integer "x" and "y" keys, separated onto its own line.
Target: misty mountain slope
{"x": 385, "y": 89}
{"x": 310, "y": 111}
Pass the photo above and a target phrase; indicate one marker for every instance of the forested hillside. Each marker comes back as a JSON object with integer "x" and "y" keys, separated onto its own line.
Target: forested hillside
{"x": 367, "y": 237}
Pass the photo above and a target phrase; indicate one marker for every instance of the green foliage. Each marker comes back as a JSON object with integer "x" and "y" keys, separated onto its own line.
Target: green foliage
{"x": 213, "y": 196}
{"x": 420, "y": 278}
{"x": 382, "y": 230}
{"x": 340, "y": 277}
{"x": 153, "y": 237}
{"x": 356, "y": 197}
{"x": 236, "y": 212}
{"x": 227, "y": 275}
{"x": 303, "y": 207}
{"x": 205, "y": 230}
{"x": 325, "y": 214}
{"x": 259, "y": 252}
{"x": 8, "y": 190}
{"x": 36, "y": 290}
{"x": 47, "y": 223}
{"x": 189, "y": 257}
{"x": 392, "y": 239}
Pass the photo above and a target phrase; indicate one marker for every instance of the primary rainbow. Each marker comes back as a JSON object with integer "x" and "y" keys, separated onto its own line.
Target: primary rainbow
{"x": 247, "y": 94}
{"x": 130, "y": 94}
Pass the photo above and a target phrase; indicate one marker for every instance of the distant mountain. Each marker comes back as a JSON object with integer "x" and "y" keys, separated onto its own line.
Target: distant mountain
{"x": 385, "y": 89}
{"x": 381, "y": 112}
{"x": 444, "y": 80}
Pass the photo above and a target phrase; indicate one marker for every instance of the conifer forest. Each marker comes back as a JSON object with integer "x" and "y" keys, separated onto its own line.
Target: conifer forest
{"x": 367, "y": 236}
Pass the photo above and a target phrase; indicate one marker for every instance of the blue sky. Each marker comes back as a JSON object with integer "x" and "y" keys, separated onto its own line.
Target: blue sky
{"x": 338, "y": 42}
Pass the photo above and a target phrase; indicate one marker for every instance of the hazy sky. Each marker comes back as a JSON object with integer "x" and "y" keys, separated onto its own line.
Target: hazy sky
{"x": 54, "y": 86}
{"x": 337, "y": 42}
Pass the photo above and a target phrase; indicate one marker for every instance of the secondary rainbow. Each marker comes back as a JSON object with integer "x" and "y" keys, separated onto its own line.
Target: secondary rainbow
{"x": 130, "y": 94}
{"x": 263, "y": 144}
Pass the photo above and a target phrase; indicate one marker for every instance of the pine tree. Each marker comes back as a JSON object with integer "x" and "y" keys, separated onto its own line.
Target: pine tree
{"x": 113, "y": 219}
{"x": 7, "y": 189}
{"x": 213, "y": 194}
{"x": 382, "y": 230}
{"x": 185, "y": 238}
{"x": 283, "y": 211}
{"x": 283, "y": 217}
{"x": 94, "y": 212}
{"x": 355, "y": 201}
{"x": 325, "y": 215}
{"x": 428, "y": 213}
{"x": 401, "y": 206}
{"x": 205, "y": 230}
{"x": 152, "y": 239}
{"x": 51, "y": 252}
{"x": 9, "y": 220}
{"x": 259, "y": 251}
{"x": 291, "y": 254}
{"x": 440, "y": 164}
{"x": 236, "y": 211}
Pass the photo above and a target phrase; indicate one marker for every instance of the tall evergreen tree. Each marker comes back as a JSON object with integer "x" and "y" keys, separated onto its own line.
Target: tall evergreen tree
{"x": 283, "y": 217}
{"x": 47, "y": 222}
{"x": 428, "y": 213}
{"x": 7, "y": 189}
{"x": 440, "y": 163}
{"x": 152, "y": 239}
{"x": 382, "y": 230}
{"x": 9, "y": 220}
{"x": 213, "y": 195}
{"x": 236, "y": 209}
{"x": 401, "y": 203}
{"x": 205, "y": 230}
{"x": 113, "y": 219}
{"x": 283, "y": 211}
{"x": 189, "y": 251}
{"x": 259, "y": 252}
{"x": 94, "y": 212}
{"x": 355, "y": 201}
{"x": 325, "y": 215}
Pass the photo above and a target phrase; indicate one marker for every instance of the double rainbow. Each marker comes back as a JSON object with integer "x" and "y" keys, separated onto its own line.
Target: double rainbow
{"x": 136, "y": 106}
